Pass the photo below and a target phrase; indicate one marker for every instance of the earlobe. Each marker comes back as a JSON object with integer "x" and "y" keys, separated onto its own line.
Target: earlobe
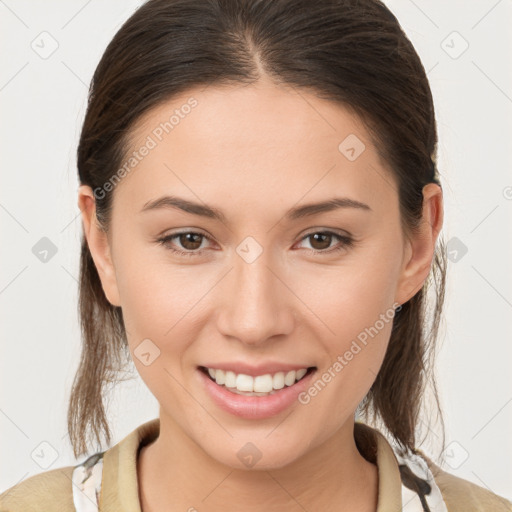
{"x": 421, "y": 245}
{"x": 98, "y": 244}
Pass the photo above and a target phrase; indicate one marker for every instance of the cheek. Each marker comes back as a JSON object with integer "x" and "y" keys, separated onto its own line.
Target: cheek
{"x": 351, "y": 296}
{"x": 155, "y": 303}
{"x": 153, "y": 294}
{"x": 157, "y": 318}
{"x": 354, "y": 304}
{"x": 355, "y": 358}
{"x": 146, "y": 309}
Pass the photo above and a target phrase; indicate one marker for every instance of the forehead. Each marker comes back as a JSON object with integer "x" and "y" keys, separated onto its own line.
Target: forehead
{"x": 224, "y": 143}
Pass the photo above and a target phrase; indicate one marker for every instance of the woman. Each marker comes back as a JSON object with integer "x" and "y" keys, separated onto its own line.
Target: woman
{"x": 261, "y": 213}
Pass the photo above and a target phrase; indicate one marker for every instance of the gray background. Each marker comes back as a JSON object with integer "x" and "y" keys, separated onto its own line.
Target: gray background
{"x": 43, "y": 99}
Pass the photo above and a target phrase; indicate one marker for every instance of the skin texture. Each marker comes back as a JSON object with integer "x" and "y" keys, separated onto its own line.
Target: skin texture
{"x": 254, "y": 152}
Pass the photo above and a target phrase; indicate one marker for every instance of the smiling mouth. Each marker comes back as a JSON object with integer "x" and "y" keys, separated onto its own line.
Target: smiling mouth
{"x": 242, "y": 384}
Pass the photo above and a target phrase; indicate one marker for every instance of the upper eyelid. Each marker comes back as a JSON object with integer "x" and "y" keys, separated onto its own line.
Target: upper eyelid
{"x": 312, "y": 232}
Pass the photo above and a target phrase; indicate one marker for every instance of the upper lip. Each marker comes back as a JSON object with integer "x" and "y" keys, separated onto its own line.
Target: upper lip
{"x": 255, "y": 370}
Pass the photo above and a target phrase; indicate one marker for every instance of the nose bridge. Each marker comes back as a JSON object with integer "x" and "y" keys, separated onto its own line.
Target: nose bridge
{"x": 255, "y": 306}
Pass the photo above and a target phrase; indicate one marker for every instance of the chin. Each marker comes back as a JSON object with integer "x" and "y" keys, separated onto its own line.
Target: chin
{"x": 262, "y": 454}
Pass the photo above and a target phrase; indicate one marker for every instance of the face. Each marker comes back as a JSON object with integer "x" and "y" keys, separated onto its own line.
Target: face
{"x": 248, "y": 279}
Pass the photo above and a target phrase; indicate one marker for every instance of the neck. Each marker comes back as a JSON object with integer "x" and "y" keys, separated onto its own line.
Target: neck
{"x": 176, "y": 473}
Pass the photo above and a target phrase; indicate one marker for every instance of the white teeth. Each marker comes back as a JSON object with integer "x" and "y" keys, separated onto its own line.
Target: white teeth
{"x": 289, "y": 378}
{"x": 229, "y": 378}
{"x": 259, "y": 385}
{"x": 262, "y": 383}
{"x": 219, "y": 376}
{"x": 244, "y": 382}
{"x": 300, "y": 373}
{"x": 278, "y": 380}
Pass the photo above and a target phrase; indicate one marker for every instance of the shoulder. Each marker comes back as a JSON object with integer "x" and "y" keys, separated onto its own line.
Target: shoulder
{"x": 49, "y": 490}
{"x": 66, "y": 489}
{"x": 77, "y": 487}
{"x": 463, "y": 495}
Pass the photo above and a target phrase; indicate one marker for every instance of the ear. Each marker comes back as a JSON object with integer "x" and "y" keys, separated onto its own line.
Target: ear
{"x": 419, "y": 247}
{"x": 98, "y": 243}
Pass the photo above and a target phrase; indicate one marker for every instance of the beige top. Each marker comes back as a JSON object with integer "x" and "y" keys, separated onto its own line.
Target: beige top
{"x": 111, "y": 480}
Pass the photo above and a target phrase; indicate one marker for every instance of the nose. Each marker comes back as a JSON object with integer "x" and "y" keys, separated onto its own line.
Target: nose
{"x": 256, "y": 303}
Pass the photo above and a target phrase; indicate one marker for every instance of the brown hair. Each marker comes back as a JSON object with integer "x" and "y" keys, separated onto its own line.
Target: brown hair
{"x": 353, "y": 52}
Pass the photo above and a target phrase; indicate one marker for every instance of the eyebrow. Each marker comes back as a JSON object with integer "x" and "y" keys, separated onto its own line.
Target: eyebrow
{"x": 298, "y": 212}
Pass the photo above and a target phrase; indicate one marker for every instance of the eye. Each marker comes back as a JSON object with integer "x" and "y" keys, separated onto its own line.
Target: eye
{"x": 320, "y": 240}
{"x": 189, "y": 240}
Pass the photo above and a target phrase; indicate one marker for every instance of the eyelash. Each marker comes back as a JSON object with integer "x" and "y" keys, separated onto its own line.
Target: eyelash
{"x": 346, "y": 242}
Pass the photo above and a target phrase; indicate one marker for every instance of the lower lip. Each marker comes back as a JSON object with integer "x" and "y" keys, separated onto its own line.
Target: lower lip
{"x": 254, "y": 407}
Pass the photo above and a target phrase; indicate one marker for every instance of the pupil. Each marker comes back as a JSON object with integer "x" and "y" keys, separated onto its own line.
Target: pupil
{"x": 324, "y": 236}
{"x": 185, "y": 240}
